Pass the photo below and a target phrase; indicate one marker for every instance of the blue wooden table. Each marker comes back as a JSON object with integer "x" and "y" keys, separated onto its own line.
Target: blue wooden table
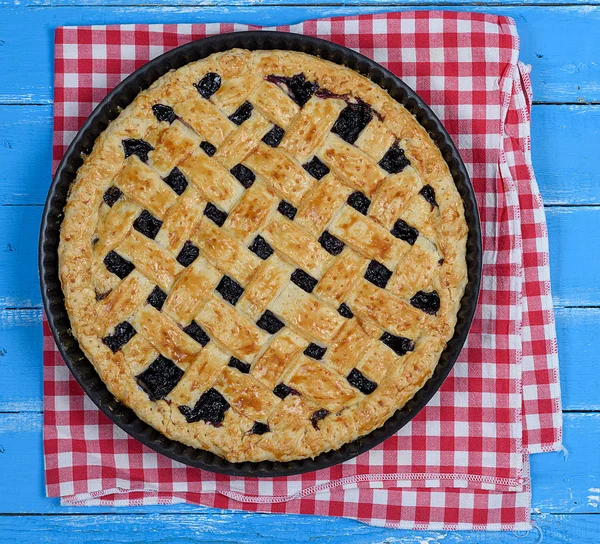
{"x": 560, "y": 38}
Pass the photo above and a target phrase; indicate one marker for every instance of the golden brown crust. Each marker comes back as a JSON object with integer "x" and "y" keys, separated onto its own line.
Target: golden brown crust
{"x": 362, "y": 306}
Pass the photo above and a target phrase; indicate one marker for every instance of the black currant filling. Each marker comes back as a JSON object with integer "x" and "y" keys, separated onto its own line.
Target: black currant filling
{"x": 270, "y": 322}
{"x": 331, "y": 244}
{"x": 316, "y": 168}
{"x": 164, "y": 113}
{"x": 216, "y": 215}
{"x": 188, "y": 254}
{"x": 211, "y": 408}
{"x": 357, "y": 379}
{"x": 132, "y": 146}
{"x": 147, "y": 224}
{"x": 261, "y": 247}
{"x": 244, "y": 368}
{"x": 243, "y": 113}
{"x": 197, "y": 333}
{"x": 428, "y": 302}
{"x": 274, "y": 136}
{"x": 404, "y": 231}
{"x": 208, "y": 85}
{"x": 359, "y": 202}
{"x": 299, "y": 89}
{"x": 286, "y": 209}
{"x": 378, "y": 274}
{"x": 399, "y": 344}
{"x": 230, "y": 290}
{"x": 394, "y": 160}
{"x": 352, "y": 121}
{"x": 157, "y": 298}
{"x": 111, "y": 195}
{"x": 160, "y": 378}
{"x": 318, "y": 416}
{"x": 176, "y": 180}
{"x": 314, "y": 351}
{"x": 122, "y": 334}
{"x": 118, "y": 265}
{"x": 345, "y": 311}
{"x": 303, "y": 280}
{"x": 244, "y": 175}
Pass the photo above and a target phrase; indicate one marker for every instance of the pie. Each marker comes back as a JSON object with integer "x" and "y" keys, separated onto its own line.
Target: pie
{"x": 264, "y": 255}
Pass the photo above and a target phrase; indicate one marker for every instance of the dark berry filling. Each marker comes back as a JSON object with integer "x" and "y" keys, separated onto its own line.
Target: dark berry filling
{"x": 352, "y": 121}
{"x": 147, "y": 224}
{"x": 285, "y": 208}
{"x": 316, "y": 168}
{"x": 244, "y": 368}
{"x": 122, "y": 334}
{"x": 164, "y": 113}
{"x": 378, "y": 274}
{"x": 314, "y": 351}
{"x": 259, "y": 428}
{"x": 405, "y": 232}
{"x": 270, "y": 322}
{"x": 176, "y": 180}
{"x": 197, "y": 333}
{"x": 261, "y": 247}
{"x": 157, "y": 298}
{"x": 399, "y": 344}
{"x": 211, "y": 408}
{"x": 188, "y": 254}
{"x": 345, "y": 311}
{"x": 243, "y": 113}
{"x": 303, "y": 280}
{"x": 208, "y": 85}
{"x": 102, "y": 296}
{"x": 318, "y": 416}
{"x": 208, "y": 148}
{"x": 274, "y": 136}
{"x": 244, "y": 175}
{"x": 359, "y": 202}
{"x": 394, "y": 160}
{"x": 299, "y": 89}
{"x": 331, "y": 244}
{"x": 159, "y": 379}
{"x": 216, "y": 215}
{"x": 357, "y": 379}
{"x": 429, "y": 302}
{"x": 133, "y": 146}
{"x": 111, "y": 195}
{"x": 428, "y": 194}
{"x": 230, "y": 290}
{"x": 281, "y": 390}
{"x": 118, "y": 265}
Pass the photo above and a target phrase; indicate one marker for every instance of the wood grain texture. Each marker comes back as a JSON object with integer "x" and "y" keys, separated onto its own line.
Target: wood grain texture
{"x": 21, "y": 362}
{"x": 566, "y": 493}
{"x": 575, "y": 266}
{"x": 291, "y": 529}
{"x": 560, "y": 485}
{"x": 563, "y": 70}
{"x": 26, "y": 140}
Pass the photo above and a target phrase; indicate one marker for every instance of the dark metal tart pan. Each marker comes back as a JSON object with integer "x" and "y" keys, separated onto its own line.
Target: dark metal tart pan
{"x": 97, "y": 122}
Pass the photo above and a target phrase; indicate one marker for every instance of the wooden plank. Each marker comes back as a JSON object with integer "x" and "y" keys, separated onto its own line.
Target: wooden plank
{"x": 559, "y": 485}
{"x": 26, "y": 132}
{"x": 19, "y": 229}
{"x": 257, "y": 528}
{"x": 563, "y": 70}
{"x": 565, "y": 162}
{"x": 574, "y": 263}
{"x": 431, "y": 4}
{"x": 25, "y": 153}
{"x": 21, "y": 358}
{"x": 575, "y": 266}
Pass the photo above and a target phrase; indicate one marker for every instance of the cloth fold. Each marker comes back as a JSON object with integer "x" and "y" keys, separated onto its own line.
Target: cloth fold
{"x": 462, "y": 462}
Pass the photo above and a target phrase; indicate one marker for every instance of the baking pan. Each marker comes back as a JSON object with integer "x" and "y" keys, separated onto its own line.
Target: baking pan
{"x": 106, "y": 111}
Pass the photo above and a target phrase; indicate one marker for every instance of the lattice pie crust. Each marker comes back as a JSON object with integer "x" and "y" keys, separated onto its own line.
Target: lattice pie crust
{"x": 264, "y": 255}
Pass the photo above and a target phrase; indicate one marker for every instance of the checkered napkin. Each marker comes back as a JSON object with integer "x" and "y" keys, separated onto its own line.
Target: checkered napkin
{"x": 462, "y": 463}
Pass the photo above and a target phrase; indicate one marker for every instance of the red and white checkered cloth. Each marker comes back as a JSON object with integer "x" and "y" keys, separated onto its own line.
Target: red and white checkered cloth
{"x": 462, "y": 463}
